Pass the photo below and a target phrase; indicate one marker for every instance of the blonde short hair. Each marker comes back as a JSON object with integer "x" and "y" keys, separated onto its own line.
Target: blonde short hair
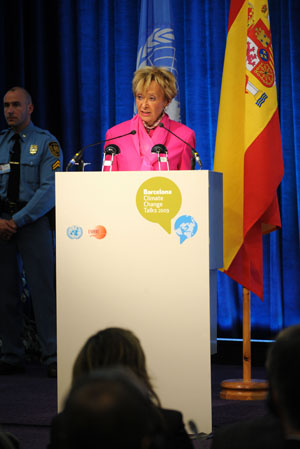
{"x": 144, "y": 76}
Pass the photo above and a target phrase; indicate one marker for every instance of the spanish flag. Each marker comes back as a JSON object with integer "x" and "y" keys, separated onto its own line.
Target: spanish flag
{"x": 248, "y": 143}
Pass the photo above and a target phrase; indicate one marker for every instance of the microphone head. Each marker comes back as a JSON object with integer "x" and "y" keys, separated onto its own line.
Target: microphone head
{"x": 133, "y": 131}
{"x": 112, "y": 149}
{"x": 159, "y": 149}
{"x": 161, "y": 125}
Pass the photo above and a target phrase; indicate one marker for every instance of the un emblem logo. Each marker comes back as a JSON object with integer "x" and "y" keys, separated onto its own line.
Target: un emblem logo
{"x": 74, "y": 232}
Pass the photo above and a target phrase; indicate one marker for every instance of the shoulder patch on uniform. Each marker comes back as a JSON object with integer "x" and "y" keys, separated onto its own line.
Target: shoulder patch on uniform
{"x": 54, "y": 149}
{"x": 56, "y": 165}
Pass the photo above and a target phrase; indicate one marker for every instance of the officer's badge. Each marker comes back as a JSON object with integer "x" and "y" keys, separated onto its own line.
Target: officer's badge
{"x": 33, "y": 149}
{"x": 54, "y": 149}
{"x": 56, "y": 165}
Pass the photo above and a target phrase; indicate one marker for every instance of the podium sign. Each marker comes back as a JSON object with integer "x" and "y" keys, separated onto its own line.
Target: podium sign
{"x": 139, "y": 250}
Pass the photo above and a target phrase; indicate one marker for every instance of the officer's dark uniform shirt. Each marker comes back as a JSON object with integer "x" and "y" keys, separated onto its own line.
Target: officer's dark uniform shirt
{"x": 40, "y": 158}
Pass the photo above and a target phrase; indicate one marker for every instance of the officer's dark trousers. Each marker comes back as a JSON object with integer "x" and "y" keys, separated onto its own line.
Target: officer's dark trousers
{"x": 34, "y": 244}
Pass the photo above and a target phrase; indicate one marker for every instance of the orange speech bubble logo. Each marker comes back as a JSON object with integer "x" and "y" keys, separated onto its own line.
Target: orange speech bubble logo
{"x": 99, "y": 232}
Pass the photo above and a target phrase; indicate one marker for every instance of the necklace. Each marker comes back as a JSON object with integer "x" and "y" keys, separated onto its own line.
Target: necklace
{"x": 148, "y": 128}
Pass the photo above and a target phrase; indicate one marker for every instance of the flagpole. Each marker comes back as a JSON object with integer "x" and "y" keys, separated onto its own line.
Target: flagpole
{"x": 245, "y": 389}
{"x": 246, "y": 336}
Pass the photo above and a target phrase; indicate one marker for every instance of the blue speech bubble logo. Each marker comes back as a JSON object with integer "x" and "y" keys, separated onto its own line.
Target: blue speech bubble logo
{"x": 185, "y": 227}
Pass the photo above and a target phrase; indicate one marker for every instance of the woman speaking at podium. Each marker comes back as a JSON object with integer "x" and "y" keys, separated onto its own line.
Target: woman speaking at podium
{"x": 153, "y": 89}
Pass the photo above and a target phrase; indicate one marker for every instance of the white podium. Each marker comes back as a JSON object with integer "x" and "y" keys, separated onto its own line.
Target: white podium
{"x": 140, "y": 250}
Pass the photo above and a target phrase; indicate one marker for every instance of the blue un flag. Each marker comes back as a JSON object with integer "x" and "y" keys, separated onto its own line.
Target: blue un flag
{"x": 157, "y": 43}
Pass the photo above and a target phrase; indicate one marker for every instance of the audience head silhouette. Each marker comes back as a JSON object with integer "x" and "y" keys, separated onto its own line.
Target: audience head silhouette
{"x": 112, "y": 403}
{"x": 114, "y": 347}
{"x": 111, "y": 409}
{"x": 283, "y": 367}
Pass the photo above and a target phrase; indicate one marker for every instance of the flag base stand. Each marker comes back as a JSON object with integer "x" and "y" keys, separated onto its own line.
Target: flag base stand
{"x": 245, "y": 389}
{"x": 239, "y": 389}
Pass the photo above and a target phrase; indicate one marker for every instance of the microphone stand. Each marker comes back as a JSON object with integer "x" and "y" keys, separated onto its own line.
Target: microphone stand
{"x": 80, "y": 165}
{"x": 160, "y": 149}
{"x": 77, "y": 158}
{"x": 196, "y": 155}
{"x": 110, "y": 150}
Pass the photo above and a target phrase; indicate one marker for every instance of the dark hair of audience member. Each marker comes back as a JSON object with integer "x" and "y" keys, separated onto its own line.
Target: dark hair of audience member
{"x": 283, "y": 368}
{"x": 111, "y": 409}
{"x": 110, "y": 347}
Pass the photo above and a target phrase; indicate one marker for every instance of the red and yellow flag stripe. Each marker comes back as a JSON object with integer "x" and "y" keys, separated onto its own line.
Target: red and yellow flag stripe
{"x": 248, "y": 144}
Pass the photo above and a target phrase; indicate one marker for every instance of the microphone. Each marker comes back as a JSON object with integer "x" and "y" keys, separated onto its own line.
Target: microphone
{"x": 197, "y": 157}
{"x": 77, "y": 156}
{"x": 194, "y": 429}
{"x": 112, "y": 149}
{"x": 161, "y": 149}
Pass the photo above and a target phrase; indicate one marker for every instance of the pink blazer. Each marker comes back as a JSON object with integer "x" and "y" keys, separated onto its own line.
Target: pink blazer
{"x": 135, "y": 150}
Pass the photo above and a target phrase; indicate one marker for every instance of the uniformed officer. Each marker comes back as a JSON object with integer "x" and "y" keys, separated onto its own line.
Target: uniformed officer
{"x": 29, "y": 157}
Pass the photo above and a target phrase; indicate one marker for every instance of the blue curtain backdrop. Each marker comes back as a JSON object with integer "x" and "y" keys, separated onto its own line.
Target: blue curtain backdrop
{"x": 77, "y": 58}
